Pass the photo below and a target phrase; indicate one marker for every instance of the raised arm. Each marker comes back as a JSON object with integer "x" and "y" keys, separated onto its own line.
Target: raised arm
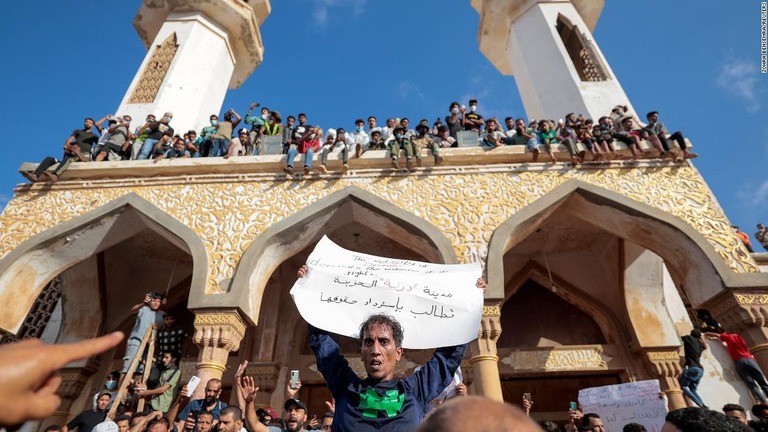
{"x": 703, "y": 342}
{"x": 135, "y": 309}
{"x": 101, "y": 121}
{"x": 173, "y": 411}
{"x": 237, "y": 118}
{"x": 249, "y": 391}
{"x": 246, "y": 394}
{"x": 438, "y": 372}
{"x": 331, "y": 364}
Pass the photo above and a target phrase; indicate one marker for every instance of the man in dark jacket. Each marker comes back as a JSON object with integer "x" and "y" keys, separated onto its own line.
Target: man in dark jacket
{"x": 381, "y": 402}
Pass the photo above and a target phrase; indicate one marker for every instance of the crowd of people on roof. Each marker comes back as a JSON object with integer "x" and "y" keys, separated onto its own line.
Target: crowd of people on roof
{"x": 114, "y": 138}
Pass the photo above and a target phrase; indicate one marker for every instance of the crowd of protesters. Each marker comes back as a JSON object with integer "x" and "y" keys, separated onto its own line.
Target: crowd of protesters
{"x": 115, "y": 137}
{"x": 424, "y": 400}
{"x": 429, "y": 399}
{"x": 452, "y": 409}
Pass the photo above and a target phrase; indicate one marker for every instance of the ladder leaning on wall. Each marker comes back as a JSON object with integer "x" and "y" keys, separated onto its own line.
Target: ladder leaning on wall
{"x": 149, "y": 338}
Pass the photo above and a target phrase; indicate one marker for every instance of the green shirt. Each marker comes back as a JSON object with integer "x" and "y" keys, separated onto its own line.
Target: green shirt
{"x": 162, "y": 402}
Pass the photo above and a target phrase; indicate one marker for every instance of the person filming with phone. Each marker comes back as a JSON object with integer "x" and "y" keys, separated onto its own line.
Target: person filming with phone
{"x": 211, "y": 403}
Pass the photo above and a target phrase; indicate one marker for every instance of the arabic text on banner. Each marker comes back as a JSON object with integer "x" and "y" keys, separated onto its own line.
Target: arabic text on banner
{"x": 437, "y": 305}
{"x": 633, "y": 402}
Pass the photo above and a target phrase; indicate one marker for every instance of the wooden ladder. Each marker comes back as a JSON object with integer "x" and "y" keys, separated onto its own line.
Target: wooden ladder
{"x": 149, "y": 338}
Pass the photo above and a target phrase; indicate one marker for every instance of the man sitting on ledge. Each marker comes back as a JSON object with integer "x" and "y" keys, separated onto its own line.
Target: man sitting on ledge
{"x": 381, "y": 402}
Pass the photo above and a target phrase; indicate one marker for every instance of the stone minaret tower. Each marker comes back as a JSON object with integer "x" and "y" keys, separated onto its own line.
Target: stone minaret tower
{"x": 197, "y": 49}
{"x": 548, "y": 46}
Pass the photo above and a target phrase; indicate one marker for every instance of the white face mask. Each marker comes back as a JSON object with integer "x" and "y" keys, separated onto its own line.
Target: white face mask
{"x": 454, "y": 110}
{"x": 473, "y": 108}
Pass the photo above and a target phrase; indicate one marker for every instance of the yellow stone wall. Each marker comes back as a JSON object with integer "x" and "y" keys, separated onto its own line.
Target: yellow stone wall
{"x": 466, "y": 204}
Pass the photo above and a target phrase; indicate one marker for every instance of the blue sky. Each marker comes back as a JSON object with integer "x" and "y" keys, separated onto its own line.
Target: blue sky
{"x": 698, "y": 63}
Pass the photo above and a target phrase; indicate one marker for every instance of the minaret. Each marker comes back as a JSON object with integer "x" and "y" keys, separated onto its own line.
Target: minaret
{"x": 548, "y": 46}
{"x": 196, "y": 50}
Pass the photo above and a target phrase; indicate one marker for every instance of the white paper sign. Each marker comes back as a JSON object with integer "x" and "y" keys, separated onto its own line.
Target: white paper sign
{"x": 633, "y": 402}
{"x": 437, "y": 305}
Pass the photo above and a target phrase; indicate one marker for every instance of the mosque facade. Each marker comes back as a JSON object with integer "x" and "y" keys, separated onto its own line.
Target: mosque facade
{"x": 594, "y": 272}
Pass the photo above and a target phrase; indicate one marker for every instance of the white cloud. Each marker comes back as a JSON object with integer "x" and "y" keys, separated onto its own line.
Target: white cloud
{"x": 321, "y": 15}
{"x": 323, "y": 8}
{"x": 408, "y": 90}
{"x": 491, "y": 100}
{"x": 752, "y": 198}
{"x": 761, "y": 193}
{"x": 740, "y": 78}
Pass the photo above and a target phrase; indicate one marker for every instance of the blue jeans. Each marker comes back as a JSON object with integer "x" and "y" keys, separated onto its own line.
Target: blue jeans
{"x": 131, "y": 349}
{"x": 219, "y": 147}
{"x": 293, "y": 152}
{"x": 753, "y": 376}
{"x": 689, "y": 381}
{"x": 146, "y": 148}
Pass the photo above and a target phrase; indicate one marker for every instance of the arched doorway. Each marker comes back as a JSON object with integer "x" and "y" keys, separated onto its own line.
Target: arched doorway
{"x": 355, "y": 220}
{"x": 102, "y": 263}
{"x": 587, "y": 252}
{"x": 555, "y": 340}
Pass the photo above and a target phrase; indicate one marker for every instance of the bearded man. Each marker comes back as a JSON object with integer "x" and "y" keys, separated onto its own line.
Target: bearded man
{"x": 211, "y": 403}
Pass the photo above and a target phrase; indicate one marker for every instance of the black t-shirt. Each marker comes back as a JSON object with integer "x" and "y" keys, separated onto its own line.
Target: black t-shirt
{"x": 158, "y": 129}
{"x": 85, "y": 139}
{"x": 472, "y": 116}
{"x": 86, "y": 420}
{"x": 693, "y": 349}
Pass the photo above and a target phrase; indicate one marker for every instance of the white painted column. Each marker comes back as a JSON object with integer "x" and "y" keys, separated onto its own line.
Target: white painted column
{"x": 520, "y": 38}
{"x": 644, "y": 297}
{"x": 196, "y": 82}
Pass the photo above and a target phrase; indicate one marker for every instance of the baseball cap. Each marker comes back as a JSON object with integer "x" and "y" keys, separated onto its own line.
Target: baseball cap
{"x": 296, "y": 402}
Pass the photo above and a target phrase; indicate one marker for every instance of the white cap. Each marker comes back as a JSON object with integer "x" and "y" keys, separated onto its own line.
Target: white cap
{"x": 105, "y": 426}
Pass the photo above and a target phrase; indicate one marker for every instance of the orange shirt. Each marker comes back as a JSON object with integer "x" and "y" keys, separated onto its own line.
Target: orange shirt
{"x": 744, "y": 237}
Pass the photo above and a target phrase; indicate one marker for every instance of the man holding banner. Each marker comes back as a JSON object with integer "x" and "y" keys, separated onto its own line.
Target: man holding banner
{"x": 436, "y": 301}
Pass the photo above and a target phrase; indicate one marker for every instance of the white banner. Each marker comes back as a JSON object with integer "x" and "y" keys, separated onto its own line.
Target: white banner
{"x": 437, "y": 305}
{"x": 633, "y": 402}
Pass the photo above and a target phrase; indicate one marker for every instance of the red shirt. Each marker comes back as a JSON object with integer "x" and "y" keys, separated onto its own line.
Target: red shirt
{"x": 736, "y": 346}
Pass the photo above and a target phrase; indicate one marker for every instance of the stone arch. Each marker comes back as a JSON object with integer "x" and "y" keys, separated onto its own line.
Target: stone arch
{"x": 30, "y": 266}
{"x": 691, "y": 259}
{"x": 609, "y": 323}
{"x": 294, "y": 233}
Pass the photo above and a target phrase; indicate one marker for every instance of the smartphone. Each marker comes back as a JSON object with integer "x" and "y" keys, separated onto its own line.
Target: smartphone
{"x": 574, "y": 407}
{"x": 192, "y": 385}
{"x": 294, "y": 378}
{"x": 527, "y": 396}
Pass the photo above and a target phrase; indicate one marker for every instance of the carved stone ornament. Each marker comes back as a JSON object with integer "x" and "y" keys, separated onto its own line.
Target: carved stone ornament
{"x": 228, "y": 212}
{"x": 154, "y": 73}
